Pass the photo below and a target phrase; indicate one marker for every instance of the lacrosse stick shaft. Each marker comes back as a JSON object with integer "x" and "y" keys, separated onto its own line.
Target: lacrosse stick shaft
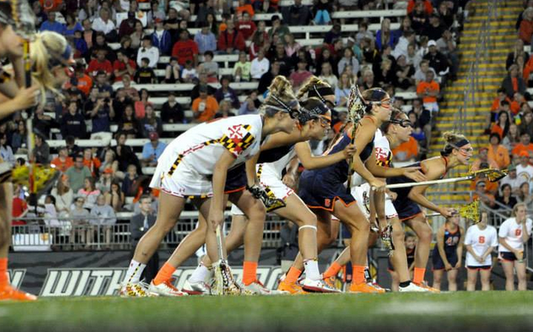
{"x": 29, "y": 124}
{"x": 220, "y": 244}
{"x": 427, "y": 183}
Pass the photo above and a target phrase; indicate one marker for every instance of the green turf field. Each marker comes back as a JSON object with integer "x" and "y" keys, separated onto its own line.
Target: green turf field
{"x": 491, "y": 311}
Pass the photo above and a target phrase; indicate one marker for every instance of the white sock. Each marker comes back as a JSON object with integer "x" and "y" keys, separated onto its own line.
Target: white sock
{"x": 134, "y": 272}
{"x": 311, "y": 269}
{"x": 200, "y": 274}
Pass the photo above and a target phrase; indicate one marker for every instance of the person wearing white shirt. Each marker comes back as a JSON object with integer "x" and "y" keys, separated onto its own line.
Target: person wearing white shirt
{"x": 104, "y": 23}
{"x": 513, "y": 233}
{"x": 480, "y": 241}
{"x": 512, "y": 179}
{"x": 148, "y": 51}
{"x": 524, "y": 170}
{"x": 259, "y": 65}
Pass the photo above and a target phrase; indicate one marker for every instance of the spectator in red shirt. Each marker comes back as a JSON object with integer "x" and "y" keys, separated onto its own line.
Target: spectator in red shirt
{"x": 230, "y": 41}
{"x": 185, "y": 49}
{"x": 428, "y": 7}
{"x": 98, "y": 64}
{"x": 301, "y": 75}
{"x": 92, "y": 163}
{"x": 524, "y": 145}
{"x": 19, "y": 208}
{"x": 123, "y": 65}
{"x": 246, "y": 27}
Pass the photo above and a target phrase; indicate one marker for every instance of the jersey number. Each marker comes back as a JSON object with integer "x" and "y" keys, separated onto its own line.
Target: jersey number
{"x": 481, "y": 239}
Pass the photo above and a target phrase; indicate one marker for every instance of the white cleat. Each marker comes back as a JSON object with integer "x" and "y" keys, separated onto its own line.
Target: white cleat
{"x": 413, "y": 288}
{"x": 257, "y": 288}
{"x": 196, "y": 288}
{"x": 135, "y": 289}
{"x": 317, "y": 286}
{"x": 165, "y": 289}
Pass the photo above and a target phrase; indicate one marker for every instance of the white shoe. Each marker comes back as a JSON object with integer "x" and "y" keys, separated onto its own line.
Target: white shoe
{"x": 257, "y": 288}
{"x": 318, "y": 286}
{"x": 196, "y": 288}
{"x": 413, "y": 288}
{"x": 136, "y": 289}
{"x": 165, "y": 289}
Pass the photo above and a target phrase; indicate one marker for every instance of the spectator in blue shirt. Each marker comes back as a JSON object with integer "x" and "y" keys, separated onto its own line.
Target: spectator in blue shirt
{"x": 161, "y": 38}
{"x": 101, "y": 115}
{"x": 205, "y": 40}
{"x": 152, "y": 150}
{"x": 52, "y": 25}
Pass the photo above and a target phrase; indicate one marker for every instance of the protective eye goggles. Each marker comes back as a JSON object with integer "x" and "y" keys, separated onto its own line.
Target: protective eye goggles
{"x": 291, "y": 108}
{"x": 402, "y": 123}
{"x": 325, "y": 121}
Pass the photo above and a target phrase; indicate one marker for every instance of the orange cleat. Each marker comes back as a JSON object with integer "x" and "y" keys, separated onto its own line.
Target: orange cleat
{"x": 425, "y": 285}
{"x": 331, "y": 281}
{"x": 290, "y": 288}
{"x": 365, "y": 288}
{"x": 9, "y": 293}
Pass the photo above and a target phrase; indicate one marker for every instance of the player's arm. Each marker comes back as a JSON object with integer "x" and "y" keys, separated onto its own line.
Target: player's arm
{"x": 303, "y": 151}
{"x": 364, "y": 137}
{"x": 280, "y": 139}
{"x": 24, "y": 99}
{"x": 251, "y": 170}
{"x": 525, "y": 233}
{"x": 417, "y": 194}
{"x": 389, "y": 172}
{"x": 506, "y": 245}
{"x": 289, "y": 179}
{"x": 440, "y": 246}
{"x": 220, "y": 172}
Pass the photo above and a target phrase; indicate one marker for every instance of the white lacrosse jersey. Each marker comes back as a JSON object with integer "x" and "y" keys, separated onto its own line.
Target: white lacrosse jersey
{"x": 383, "y": 156}
{"x": 480, "y": 240}
{"x": 512, "y": 232}
{"x": 276, "y": 168}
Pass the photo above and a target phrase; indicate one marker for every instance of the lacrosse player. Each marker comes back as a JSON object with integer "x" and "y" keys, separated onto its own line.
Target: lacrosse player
{"x": 448, "y": 253}
{"x": 480, "y": 241}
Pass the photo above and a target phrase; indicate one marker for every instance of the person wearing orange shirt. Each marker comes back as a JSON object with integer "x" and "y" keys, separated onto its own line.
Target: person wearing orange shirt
{"x": 81, "y": 81}
{"x": 498, "y": 152}
{"x": 92, "y": 163}
{"x": 62, "y": 162}
{"x": 483, "y": 194}
{"x": 204, "y": 107}
{"x": 245, "y": 7}
{"x": 482, "y": 159}
{"x": 524, "y": 145}
{"x": 406, "y": 151}
{"x": 429, "y": 90}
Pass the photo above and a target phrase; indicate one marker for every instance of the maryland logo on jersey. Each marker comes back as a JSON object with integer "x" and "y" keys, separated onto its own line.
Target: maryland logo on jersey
{"x": 237, "y": 139}
{"x": 383, "y": 157}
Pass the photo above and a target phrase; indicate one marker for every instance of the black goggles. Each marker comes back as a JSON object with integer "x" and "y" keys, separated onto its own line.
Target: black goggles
{"x": 404, "y": 123}
{"x": 291, "y": 108}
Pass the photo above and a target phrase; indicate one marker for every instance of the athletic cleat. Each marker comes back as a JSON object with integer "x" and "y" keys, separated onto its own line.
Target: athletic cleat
{"x": 165, "y": 289}
{"x": 257, "y": 288}
{"x": 413, "y": 288}
{"x": 425, "y": 285}
{"x": 290, "y": 288}
{"x": 9, "y": 293}
{"x": 196, "y": 288}
{"x": 317, "y": 286}
{"x": 136, "y": 289}
{"x": 375, "y": 284}
{"x": 365, "y": 288}
{"x": 331, "y": 281}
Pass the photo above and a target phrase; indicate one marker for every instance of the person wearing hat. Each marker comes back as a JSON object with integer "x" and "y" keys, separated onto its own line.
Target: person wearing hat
{"x": 524, "y": 169}
{"x": 437, "y": 60}
{"x": 512, "y": 179}
{"x": 204, "y": 107}
{"x": 483, "y": 158}
{"x": 152, "y": 150}
{"x": 148, "y": 51}
{"x": 498, "y": 152}
{"x": 161, "y": 38}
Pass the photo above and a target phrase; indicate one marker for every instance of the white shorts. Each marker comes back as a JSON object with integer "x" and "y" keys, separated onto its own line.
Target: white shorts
{"x": 183, "y": 182}
{"x": 361, "y": 195}
{"x": 270, "y": 183}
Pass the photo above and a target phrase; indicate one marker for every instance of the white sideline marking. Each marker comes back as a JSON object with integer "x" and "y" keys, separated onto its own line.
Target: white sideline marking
{"x": 440, "y": 309}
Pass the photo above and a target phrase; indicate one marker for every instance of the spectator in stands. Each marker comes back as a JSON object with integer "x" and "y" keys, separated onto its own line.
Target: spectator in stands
{"x": 89, "y": 35}
{"x": 278, "y": 28}
{"x": 404, "y": 75}
{"x": 434, "y": 29}
{"x": 241, "y": 70}
{"x": 224, "y": 110}
{"x": 89, "y": 193}
{"x": 506, "y": 198}
{"x": 106, "y": 25}
{"x": 342, "y": 91}
{"x": 128, "y": 26}
{"x": 80, "y": 80}
{"x": 209, "y": 67}
{"x": 348, "y": 59}
{"x": 137, "y": 36}
{"x": 525, "y": 145}
{"x": 408, "y": 37}
{"x": 260, "y": 40}
{"x": 205, "y": 39}
{"x": 259, "y": 66}
{"x": 291, "y": 45}
{"x": 429, "y": 91}
{"x": 498, "y": 152}
{"x": 524, "y": 170}
{"x": 100, "y": 64}
{"x": 447, "y": 46}
{"x": 524, "y": 195}
{"x": 407, "y": 151}
{"x": 52, "y": 25}
{"x": 152, "y": 150}
{"x": 526, "y": 126}
{"x": 328, "y": 76}
{"x": 79, "y": 218}
{"x": 512, "y": 138}
{"x": 244, "y": 7}
{"x": 248, "y": 107}
{"x": 80, "y": 45}
{"x": 419, "y": 17}
{"x": 172, "y": 71}
{"x": 104, "y": 217}
{"x": 413, "y": 58}
{"x": 101, "y": 114}
{"x": 230, "y": 41}
{"x": 300, "y": 75}
{"x": 189, "y": 74}
{"x": 148, "y": 51}
{"x": 225, "y": 92}
{"x": 386, "y": 74}
{"x": 130, "y": 182}
{"x": 368, "y": 80}
{"x": 72, "y": 25}
{"x": 246, "y": 26}
{"x": 502, "y": 124}
{"x": 525, "y": 31}
{"x": 123, "y": 65}
{"x": 139, "y": 225}
{"x": 297, "y": 14}
{"x": 151, "y": 122}
{"x": 322, "y": 12}
{"x": 124, "y": 153}
{"x": 267, "y": 78}
{"x": 437, "y": 61}
{"x": 140, "y": 105}
{"x": 130, "y": 92}
{"x": 91, "y": 162}
{"x": 73, "y": 122}
{"x": 204, "y": 107}
{"x": 6, "y": 153}
{"x": 512, "y": 179}
{"x": 101, "y": 45}
{"x": 109, "y": 162}
{"x": 63, "y": 195}
{"x": 115, "y": 197}
{"x": 484, "y": 195}
{"x": 161, "y": 38}
{"x": 41, "y": 152}
{"x": 513, "y": 82}
{"x": 384, "y": 36}
{"x": 77, "y": 174}
{"x": 62, "y": 162}
{"x": 105, "y": 180}
{"x": 185, "y": 49}
{"x": 171, "y": 111}
{"x": 483, "y": 158}
{"x": 518, "y": 50}
{"x": 202, "y": 82}
{"x": 145, "y": 74}
{"x": 129, "y": 124}
{"x": 105, "y": 90}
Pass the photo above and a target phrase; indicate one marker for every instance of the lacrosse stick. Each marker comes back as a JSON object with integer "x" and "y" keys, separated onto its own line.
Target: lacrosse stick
{"x": 469, "y": 211}
{"x": 493, "y": 175}
{"x": 356, "y": 111}
{"x": 224, "y": 282}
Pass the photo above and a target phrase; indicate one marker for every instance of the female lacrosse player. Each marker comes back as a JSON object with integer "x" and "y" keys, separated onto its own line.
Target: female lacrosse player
{"x": 513, "y": 233}
{"x": 410, "y": 248}
{"x": 457, "y": 151}
{"x": 277, "y": 153}
{"x": 196, "y": 164}
{"x": 392, "y": 133}
{"x": 480, "y": 240}
{"x": 448, "y": 253}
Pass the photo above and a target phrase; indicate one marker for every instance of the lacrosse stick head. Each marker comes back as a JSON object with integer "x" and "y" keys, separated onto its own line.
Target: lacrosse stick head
{"x": 19, "y": 15}
{"x": 470, "y": 211}
{"x": 491, "y": 174}
{"x": 356, "y": 105}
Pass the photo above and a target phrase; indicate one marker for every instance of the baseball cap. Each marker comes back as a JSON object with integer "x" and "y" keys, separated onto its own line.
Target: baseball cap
{"x": 153, "y": 136}
{"x": 432, "y": 43}
{"x": 523, "y": 154}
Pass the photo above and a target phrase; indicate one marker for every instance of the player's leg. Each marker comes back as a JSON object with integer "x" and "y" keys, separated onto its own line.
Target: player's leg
{"x": 395, "y": 285}
{"x": 520, "y": 268}
{"x": 424, "y": 232}
{"x": 508, "y": 269}
{"x": 485, "y": 279}
{"x": 437, "y": 278}
{"x": 472, "y": 279}
{"x": 452, "y": 280}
